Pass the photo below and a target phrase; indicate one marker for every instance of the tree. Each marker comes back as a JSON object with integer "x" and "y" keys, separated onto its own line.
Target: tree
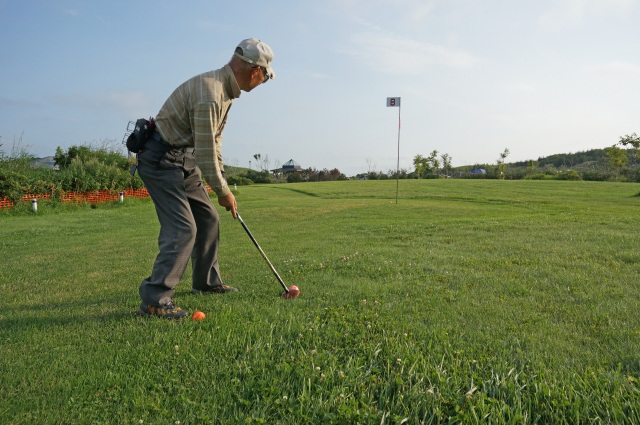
{"x": 257, "y": 157}
{"x": 434, "y": 162}
{"x": 501, "y": 163}
{"x": 617, "y": 159}
{"x": 401, "y": 174}
{"x": 335, "y": 174}
{"x": 428, "y": 166}
{"x": 630, "y": 139}
{"x": 532, "y": 166}
{"x": 262, "y": 162}
{"x": 265, "y": 163}
{"x": 446, "y": 163}
{"x": 371, "y": 166}
{"x": 421, "y": 164}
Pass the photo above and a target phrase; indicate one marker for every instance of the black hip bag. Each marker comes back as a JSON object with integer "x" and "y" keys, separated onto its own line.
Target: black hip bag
{"x": 138, "y": 136}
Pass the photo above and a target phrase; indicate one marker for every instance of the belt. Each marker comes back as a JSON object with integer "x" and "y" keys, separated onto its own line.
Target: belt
{"x": 158, "y": 143}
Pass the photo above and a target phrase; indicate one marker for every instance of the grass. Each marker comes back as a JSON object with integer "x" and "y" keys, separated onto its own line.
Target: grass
{"x": 502, "y": 302}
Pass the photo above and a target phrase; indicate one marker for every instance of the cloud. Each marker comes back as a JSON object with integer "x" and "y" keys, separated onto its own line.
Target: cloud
{"x": 521, "y": 87}
{"x": 208, "y": 25}
{"x": 18, "y": 103}
{"x": 318, "y": 76}
{"x": 130, "y": 102}
{"x": 392, "y": 54}
{"x": 422, "y": 9}
{"x": 573, "y": 13}
{"x": 408, "y": 10}
{"x": 621, "y": 69}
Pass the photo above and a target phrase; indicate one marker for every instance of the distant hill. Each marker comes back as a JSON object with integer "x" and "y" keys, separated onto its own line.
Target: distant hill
{"x": 46, "y": 162}
{"x": 592, "y": 165}
{"x": 588, "y": 159}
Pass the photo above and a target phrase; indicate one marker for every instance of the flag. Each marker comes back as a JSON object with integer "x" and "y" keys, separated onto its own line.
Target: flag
{"x": 393, "y": 101}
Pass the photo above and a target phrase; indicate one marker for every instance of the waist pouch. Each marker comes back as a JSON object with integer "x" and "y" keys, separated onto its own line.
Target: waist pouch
{"x": 140, "y": 134}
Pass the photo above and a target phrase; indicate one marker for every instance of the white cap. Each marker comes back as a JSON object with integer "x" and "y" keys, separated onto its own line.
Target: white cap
{"x": 256, "y": 52}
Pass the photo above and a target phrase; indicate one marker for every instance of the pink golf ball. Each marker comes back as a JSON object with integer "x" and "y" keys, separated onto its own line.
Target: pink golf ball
{"x": 293, "y": 292}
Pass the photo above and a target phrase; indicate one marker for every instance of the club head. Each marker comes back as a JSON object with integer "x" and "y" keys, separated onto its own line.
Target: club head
{"x": 293, "y": 292}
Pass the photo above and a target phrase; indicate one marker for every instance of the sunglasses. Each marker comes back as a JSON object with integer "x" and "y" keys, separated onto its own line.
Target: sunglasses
{"x": 265, "y": 73}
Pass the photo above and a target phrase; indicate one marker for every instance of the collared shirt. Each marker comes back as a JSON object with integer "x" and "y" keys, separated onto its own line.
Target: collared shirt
{"x": 195, "y": 115}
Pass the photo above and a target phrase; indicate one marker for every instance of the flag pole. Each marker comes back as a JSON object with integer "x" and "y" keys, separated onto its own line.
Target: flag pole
{"x": 398, "y": 163}
{"x": 395, "y": 103}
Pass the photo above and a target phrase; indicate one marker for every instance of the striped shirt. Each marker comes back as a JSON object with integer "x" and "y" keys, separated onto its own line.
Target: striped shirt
{"x": 195, "y": 115}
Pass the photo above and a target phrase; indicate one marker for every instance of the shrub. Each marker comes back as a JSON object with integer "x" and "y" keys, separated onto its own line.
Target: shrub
{"x": 259, "y": 176}
{"x": 239, "y": 180}
{"x": 12, "y": 185}
{"x": 82, "y": 169}
{"x": 86, "y": 153}
{"x": 595, "y": 175}
{"x": 91, "y": 174}
{"x": 18, "y": 178}
{"x": 536, "y": 176}
{"x": 294, "y": 178}
{"x": 569, "y": 175}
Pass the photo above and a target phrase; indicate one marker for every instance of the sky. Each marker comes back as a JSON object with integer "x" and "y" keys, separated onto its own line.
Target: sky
{"x": 475, "y": 77}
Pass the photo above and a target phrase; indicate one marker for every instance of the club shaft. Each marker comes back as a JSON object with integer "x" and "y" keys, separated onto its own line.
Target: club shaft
{"x": 255, "y": 242}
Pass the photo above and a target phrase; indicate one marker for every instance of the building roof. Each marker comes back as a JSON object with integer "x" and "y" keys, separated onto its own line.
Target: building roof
{"x": 290, "y": 165}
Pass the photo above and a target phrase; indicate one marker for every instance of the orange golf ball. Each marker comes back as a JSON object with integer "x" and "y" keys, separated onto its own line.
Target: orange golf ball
{"x": 198, "y": 315}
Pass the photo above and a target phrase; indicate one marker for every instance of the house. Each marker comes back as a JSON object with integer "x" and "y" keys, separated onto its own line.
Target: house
{"x": 288, "y": 167}
{"x": 478, "y": 171}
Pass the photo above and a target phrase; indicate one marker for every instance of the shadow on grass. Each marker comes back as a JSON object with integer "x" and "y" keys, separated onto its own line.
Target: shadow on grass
{"x": 29, "y": 317}
{"x": 300, "y": 191}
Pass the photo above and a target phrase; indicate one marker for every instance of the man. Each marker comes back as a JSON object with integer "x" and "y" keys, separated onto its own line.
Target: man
{"x": 187, "y": 141}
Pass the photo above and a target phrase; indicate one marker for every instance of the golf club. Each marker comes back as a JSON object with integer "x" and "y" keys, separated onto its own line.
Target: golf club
{"x": 287, "y": 293}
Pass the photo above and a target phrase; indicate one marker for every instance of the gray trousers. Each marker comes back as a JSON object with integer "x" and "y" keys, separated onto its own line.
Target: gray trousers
{"x": 189, "y": 223}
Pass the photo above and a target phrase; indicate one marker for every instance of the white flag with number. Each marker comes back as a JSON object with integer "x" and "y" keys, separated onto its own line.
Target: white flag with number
{"x": 393, "y": 101}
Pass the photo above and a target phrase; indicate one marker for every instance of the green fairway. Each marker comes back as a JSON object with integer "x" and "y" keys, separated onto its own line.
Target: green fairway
{"x": 469, "y": 301}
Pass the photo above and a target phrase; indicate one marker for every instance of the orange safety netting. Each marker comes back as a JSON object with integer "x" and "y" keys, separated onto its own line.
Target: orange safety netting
{"x": 93, "y": 197}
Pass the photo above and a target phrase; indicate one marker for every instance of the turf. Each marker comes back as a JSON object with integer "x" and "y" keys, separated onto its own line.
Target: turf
{"x": 468, "y": 301}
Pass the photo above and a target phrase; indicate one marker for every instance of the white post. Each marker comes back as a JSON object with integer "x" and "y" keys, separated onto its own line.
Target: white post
{"x": 121, "y": 196}
{"x": 34, "y": 205}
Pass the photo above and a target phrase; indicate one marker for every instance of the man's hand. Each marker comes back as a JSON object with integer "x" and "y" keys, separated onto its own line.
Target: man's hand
{"x": 229, "y": 202}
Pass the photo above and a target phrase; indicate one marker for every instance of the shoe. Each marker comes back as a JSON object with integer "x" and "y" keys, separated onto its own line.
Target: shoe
{"x": 218, "y": 289}
{"x": 167, "y": 311}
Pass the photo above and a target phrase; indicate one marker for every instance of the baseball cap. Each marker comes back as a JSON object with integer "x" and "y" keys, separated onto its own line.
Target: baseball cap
{"x": 256, "y": 52}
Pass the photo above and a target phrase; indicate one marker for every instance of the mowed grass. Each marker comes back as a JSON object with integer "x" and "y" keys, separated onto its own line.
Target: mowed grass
{"x": 469, "y": 301}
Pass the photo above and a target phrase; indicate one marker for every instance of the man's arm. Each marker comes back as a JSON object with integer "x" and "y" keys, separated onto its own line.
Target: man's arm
{"x": 208, "y": 146}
